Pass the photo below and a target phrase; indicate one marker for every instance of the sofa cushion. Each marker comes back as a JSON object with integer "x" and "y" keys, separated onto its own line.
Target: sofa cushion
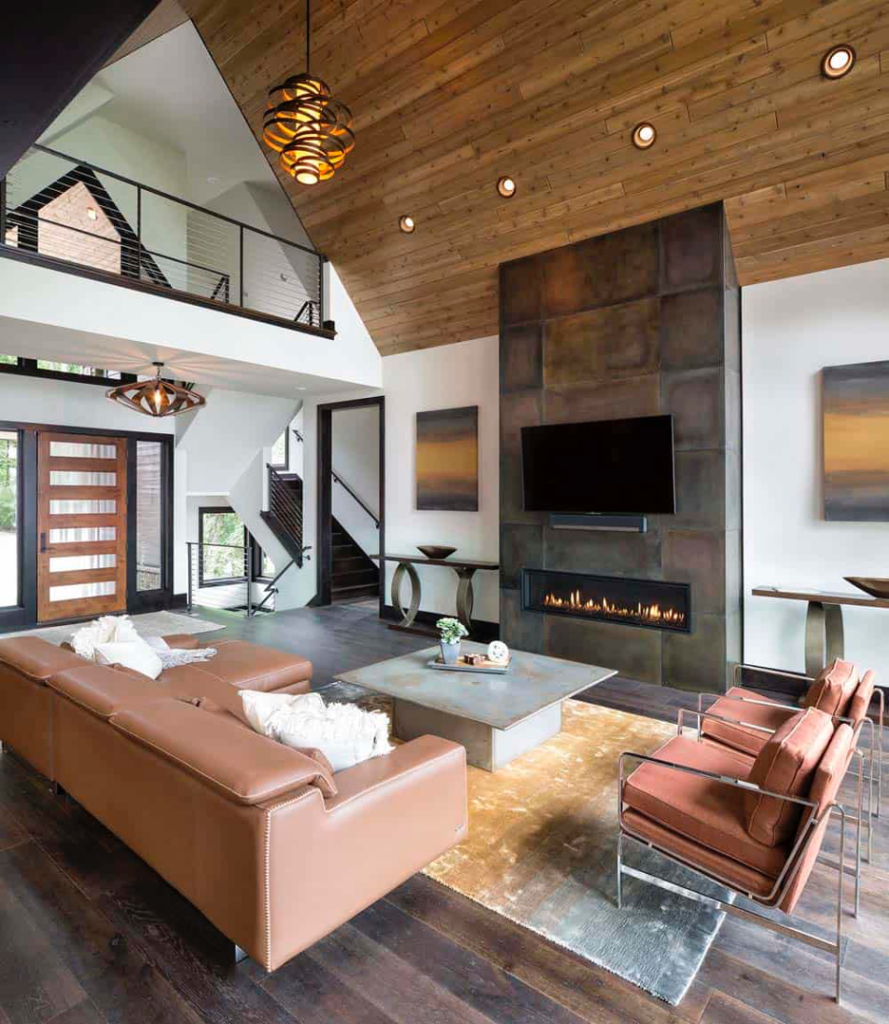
{"x": 240, "y": 764}
{"x": 104, "y": 689}
{"x": 35, "y": 658}
{"x": 706, "y": 811}
{"x": 251, "y": 667}
{"x": 786, "y": 765}
{"x": 833, "y": 690}
{"x": 748, "y": 741}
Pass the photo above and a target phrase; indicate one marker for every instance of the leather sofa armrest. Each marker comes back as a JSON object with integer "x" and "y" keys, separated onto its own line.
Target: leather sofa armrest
{"x": 239, "y": 763}
{"x": 182, "y": 641}
{"x": 402, "y": 811}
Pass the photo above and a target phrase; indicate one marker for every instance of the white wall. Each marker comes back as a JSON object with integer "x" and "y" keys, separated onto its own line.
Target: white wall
{"x": 356, "y": 459}
{"x": 445, "y": 377}
{"x": 792, "y": 329}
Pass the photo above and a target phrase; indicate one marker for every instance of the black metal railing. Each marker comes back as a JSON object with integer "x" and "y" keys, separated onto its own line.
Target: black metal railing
{"x": 285, "y": 513}
{"x": 56, "y": 208}
{"x": 221, "y": 576}
{"x": 337, "y": 479}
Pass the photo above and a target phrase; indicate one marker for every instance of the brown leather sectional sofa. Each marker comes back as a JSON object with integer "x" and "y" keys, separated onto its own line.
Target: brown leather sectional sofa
{"x": 250, "y": 831}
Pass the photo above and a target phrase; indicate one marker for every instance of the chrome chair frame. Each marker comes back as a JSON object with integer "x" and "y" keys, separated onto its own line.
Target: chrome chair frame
{"x": 875, "y": 771}
{"x": 859, "y": 817}
{"x": 782, "y": 882}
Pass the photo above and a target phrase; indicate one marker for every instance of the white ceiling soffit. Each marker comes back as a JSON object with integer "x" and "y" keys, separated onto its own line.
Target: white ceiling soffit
{"x": 171, "y": 90}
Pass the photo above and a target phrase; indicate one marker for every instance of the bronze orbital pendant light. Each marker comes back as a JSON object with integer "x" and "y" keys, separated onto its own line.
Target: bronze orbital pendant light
{"x": 309, "y": 128}
{"x": 156, "y": 397}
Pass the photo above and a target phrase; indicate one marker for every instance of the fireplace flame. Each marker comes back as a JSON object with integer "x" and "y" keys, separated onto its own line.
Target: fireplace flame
{"x": 649, "y": 613}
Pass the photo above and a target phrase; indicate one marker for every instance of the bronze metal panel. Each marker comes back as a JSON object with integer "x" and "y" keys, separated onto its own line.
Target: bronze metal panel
{"x": 520, "y": 291}
{"x": 600, "y": 271}
{"x": 520, "y": 545}
{"x": 613, "y": 342}
{"x": 691, "y": 329}
{"x": 692, "y": 248}
{"x": 695, "y": 399}
{"x": 634, "y": 652}
{"x": 697, "y": 660}
{"x": 521, "y": 358}
{"x": 523, "y": 631}
{"x": 700, "y": 489}
{"x": 603, "y": 400}
{"x": 698, "y": 557}
{"x": 631, "y": 554}
{"x": 519, "y": 409}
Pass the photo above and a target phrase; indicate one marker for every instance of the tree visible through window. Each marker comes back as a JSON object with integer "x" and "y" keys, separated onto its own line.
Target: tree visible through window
{"x": 223, "y": 540}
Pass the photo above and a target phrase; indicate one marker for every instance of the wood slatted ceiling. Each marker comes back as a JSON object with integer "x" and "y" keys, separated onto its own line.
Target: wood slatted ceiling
{"x": 449, "y": 96}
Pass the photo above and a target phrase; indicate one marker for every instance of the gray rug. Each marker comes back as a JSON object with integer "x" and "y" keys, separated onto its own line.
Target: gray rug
{"x": 149, "y": 624}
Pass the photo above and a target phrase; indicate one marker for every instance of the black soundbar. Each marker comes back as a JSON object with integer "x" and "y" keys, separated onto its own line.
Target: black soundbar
{"x": 594, "y": 521}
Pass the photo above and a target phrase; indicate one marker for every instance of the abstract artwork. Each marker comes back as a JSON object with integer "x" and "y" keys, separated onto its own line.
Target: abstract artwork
{"x": 447, "y": 460}
{"x": 856, "y": 442}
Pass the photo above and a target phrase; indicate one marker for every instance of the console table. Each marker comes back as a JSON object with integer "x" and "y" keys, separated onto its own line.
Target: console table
{"x": 824, "y": 620}
{"x": 465, "y": 570}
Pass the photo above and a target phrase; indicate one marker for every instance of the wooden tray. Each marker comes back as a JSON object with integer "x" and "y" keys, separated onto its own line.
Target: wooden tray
{"x": 482, "y": 666}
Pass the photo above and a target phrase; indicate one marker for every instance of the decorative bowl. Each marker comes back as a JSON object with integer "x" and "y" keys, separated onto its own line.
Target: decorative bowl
{"x": 873, "y": 585}
{"x": 435, "y": 550}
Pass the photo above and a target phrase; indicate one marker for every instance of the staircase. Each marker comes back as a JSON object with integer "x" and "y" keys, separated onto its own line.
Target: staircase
{"x": 355, "y": 577}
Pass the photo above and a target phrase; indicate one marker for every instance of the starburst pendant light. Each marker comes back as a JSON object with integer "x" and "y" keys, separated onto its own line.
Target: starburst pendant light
{"x": 156, "y": 397}
{"x": 309, "y": 128}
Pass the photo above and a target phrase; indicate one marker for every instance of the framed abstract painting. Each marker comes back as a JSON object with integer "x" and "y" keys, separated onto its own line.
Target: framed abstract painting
{"x": 447, "y": 460}
{"x": 855, "y": 403}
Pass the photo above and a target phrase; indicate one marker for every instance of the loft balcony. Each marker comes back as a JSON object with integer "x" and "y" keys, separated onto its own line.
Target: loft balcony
{"x": 65, "y": 213}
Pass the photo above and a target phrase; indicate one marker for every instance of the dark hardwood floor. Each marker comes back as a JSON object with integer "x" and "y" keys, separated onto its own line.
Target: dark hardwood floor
{"x": 90, "y": 934}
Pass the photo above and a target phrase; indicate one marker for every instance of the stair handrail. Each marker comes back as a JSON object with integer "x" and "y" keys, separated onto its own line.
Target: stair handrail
{"x": 287, "y": 510}
{"x": 337, "y": 479}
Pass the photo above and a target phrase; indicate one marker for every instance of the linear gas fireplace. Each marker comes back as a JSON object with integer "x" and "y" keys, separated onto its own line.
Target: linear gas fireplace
{"x": 654, "y": 604}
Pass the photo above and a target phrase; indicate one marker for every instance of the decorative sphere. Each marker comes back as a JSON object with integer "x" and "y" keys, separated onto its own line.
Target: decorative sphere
{"x": 498, "y": 652}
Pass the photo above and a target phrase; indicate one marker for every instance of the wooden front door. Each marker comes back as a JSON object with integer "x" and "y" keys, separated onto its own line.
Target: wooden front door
{"x": 81, "y": 525}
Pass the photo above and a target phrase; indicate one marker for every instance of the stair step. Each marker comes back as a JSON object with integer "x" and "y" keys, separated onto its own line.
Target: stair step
{"x": 351, "y": 593}
{"x": 359, "y": 576}
{"x": 352, "y": 563}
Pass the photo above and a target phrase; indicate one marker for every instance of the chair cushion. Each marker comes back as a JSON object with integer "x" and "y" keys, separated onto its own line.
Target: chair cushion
{"x": 860, "y": 705}
{"x": 706, "y": 811}
{"x": 786, "y": 765}
{"x": 105, "y": 689}
{"x": 833, "y": 690}
{"x": 748, "y": 741}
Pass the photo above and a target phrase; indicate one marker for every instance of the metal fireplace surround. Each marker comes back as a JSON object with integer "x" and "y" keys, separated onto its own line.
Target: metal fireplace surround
{"x": 651, "y": 604}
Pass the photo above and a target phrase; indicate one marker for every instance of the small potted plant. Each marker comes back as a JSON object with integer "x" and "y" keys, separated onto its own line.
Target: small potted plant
{"x": 452, "y": 632}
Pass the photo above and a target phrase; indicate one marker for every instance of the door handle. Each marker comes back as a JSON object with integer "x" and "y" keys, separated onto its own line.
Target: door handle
{"x": 42, "y": 543}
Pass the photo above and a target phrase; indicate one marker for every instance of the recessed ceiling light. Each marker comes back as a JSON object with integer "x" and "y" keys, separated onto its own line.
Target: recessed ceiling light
{"x": 506, "y": 187}
{"x": 644, "y": 135}
{"x": 406, "y": 223}
{"x": 837, "y": 61}
{"x": 91, "y": 213}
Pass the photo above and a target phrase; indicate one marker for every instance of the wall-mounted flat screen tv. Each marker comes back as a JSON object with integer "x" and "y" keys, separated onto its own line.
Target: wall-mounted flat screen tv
{"x": 609, "y": 466}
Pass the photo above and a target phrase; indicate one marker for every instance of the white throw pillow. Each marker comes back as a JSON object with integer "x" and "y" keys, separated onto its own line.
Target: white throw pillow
{"x": 109, "y": 629}
{"x": 136, "y": 655}
{"x": 344, "y": 733}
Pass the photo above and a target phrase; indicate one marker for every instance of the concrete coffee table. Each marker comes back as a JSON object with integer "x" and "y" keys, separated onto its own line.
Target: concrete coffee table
{"x": 496, "y": 717}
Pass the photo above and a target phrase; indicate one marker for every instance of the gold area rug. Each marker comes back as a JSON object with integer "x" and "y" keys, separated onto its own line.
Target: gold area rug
{"x": 541, "y": 851}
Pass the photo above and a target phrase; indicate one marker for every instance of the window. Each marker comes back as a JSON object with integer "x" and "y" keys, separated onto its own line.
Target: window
{"x": 9, "y": 516}
{"x": 223, "y": 539}
{"x": 281, "y": 450}
{"x": 149, "y": 516}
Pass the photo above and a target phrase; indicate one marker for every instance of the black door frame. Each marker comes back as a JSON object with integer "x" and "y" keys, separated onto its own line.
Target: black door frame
{"x": 324, "y": 476}
{"x": 25, "y": 614}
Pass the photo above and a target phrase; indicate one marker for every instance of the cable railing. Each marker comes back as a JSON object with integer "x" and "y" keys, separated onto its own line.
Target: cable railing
{"x": 221, "y": 576}
{"x": 72, "y": 213}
